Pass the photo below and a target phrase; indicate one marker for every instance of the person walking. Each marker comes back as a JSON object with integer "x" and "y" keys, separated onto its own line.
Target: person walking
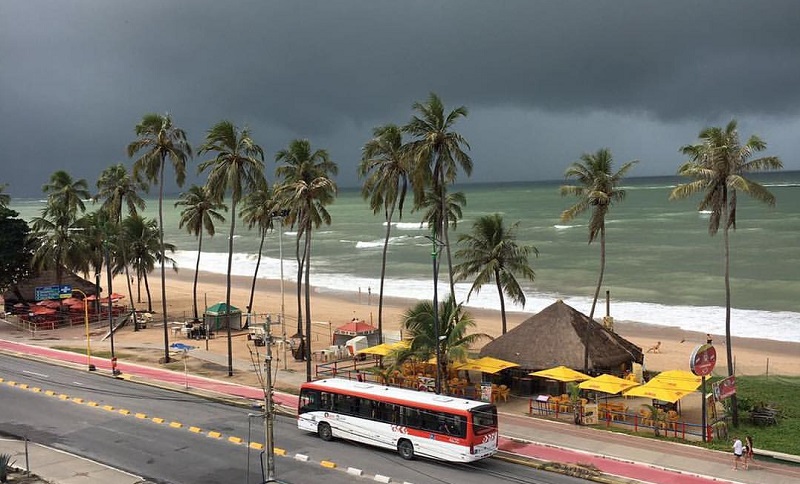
{"x": 748, "y": 451}
{"x": 738, "y": 451}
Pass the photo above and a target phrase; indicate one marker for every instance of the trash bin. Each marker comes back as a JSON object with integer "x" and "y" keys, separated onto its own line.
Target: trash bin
{"x": 590, "y": 414}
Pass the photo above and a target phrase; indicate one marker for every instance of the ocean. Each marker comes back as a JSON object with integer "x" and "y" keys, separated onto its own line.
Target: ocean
{"x": 662, "y": 266}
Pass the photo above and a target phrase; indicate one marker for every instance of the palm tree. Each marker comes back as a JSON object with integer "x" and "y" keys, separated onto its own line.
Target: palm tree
{"x": 451, "y": 331}
{"x": 491, "y": 252}
{"x": 199, "y": 214}
{"x": 598, "y": 189}
{"x": 64, "y": 193}
{"x": 258, "y": 209}
{"x": 117, "y": 188}
{"x": 143, "y": 251}
{"x": 5, "y": 198}
{"x": 386, "y": 166}
{"x": 718, "y": 165}
{"x": 237, "y": 168}
{"x": 438, "y": 154}
{"x": 160, "y": 139}
{"x": 306, "y": 189}
{"x": 57, "y": 230}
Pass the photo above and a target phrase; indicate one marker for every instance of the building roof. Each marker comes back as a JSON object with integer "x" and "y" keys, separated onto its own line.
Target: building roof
{"x": 355, "y": 327}
{"x": 222, "y": 308}
{"x": 25, "y": 291}
{"x": 558, "y": 335}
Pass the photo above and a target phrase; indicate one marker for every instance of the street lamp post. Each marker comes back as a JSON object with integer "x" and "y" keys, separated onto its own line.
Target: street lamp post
{"x": 114, "y": 370}
{"x": 438, "y": 343}
{"x": 89, "y": 364}
{"x": 280, "y": 216}
{"x": 269, "y": 442}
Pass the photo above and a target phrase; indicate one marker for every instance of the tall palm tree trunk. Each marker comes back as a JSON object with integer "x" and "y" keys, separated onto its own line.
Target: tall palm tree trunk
{"x": 502, "y": 300}
{"x": 299, "y": 290}
{"x": 728, "y": 348}
{"x": 196, "y": 274}
{"x": 163, "y": 256}
{"x": 255, "y": 273}
{"x": 596, "y": 295}
{"x": 149, "y": 296}
{"x": 449, "y": 259}
{"x": 228, "y": 289}
{"x": 389, "y": 215}
{"x": 307, "y": 258}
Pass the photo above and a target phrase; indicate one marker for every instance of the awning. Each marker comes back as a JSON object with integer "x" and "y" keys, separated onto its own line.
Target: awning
{"x": 653, "y": 389}
{"x": 607, "y": 384}
{"x": 383, "y": 349}
{"x": 487, "y": 364}
{"x": 561, "y": 373}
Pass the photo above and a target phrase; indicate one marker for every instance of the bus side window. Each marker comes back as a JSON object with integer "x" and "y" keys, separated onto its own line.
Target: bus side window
{"x": 309, "y": 401}
{"x": 326, "y": 401}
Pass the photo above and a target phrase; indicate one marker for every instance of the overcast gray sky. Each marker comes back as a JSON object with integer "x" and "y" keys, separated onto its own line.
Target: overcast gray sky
{"x": 544, "y": 81}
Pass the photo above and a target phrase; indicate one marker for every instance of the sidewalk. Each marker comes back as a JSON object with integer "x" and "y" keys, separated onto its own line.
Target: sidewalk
{"x": 616, "y": 454}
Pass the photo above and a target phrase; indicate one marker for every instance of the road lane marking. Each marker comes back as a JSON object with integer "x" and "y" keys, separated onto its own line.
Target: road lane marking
{"x": 214, "y": 435}
{"x": 158, "y": 420}
{"x": 41, "y": 375}
{"x": 328, "y": 464}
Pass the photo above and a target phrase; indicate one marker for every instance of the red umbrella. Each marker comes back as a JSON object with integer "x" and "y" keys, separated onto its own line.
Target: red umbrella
{"x": 91, "y": 297}
{"x": 41, "y": 310}
{"x": 71, "y": 300}
{"x": 114, "y": 295}
{"x": 76, "y": 306}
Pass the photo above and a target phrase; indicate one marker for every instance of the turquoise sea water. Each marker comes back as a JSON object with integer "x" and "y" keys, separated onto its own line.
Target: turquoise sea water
{"x": 662, "y": 265}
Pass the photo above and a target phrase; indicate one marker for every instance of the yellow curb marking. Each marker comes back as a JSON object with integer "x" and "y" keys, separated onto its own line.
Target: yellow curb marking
{"x": 124, "y": 412}
{"x": 196, "y": 430}
{"x": 235, "y": 440}
{"x": 214, "y": 435}
{"x": 91, "y": 404}
{"x": 1, "y": 380}
{"x": 175, "y": 425}
{"x": 328, "y": 464}
{"x": 63, "y": 397}
{"x": 77, "y": 400}
{"x": 256, "y": 446}
{"x": 108, "y": 407}
{"x": 280, "y": 451}
{"x": 158, "y": 420}
{"x": 35, "y": 389}
{"x": 141, "y": 415}
{"x": 11, "y": 383}
{"x": 50, "y": 393}
{"x": 23, "y": 386}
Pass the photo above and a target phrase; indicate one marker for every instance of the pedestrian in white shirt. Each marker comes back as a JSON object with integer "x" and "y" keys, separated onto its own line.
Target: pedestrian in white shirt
{"x": 738, "y": 450}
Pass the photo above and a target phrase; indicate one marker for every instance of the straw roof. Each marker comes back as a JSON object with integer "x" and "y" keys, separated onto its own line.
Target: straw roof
{"x": 557, "y": 336}
{"x": 25, "y": 291}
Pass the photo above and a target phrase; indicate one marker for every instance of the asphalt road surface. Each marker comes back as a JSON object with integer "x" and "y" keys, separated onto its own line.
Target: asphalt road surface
{"x": 176, "y": 438}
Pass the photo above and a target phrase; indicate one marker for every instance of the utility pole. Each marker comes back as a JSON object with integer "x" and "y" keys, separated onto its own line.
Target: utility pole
{"x": 269, "y": 413}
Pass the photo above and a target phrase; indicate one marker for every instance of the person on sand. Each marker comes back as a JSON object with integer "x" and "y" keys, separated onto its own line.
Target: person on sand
{"x": 656, "y": 348}
{"x": 738, "y": 451}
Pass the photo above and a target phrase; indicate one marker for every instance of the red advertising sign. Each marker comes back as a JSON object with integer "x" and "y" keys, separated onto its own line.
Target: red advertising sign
{"x": 725, "y": 388}
{"x": 703, "y": 360}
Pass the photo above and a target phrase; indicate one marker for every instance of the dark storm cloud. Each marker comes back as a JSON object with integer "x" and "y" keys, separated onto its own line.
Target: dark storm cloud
{"x": 544, "y": 81}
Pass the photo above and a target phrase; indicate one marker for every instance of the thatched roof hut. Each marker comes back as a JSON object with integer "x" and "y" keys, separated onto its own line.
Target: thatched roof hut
{"x": 557, "y": 335}
{"x": 25, "y": 291}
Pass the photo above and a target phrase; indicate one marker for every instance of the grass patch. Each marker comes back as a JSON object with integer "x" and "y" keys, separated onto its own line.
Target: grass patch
{"x": 99, "y": 353}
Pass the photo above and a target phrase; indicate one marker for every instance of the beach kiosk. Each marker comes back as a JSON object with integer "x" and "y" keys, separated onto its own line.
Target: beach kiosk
{"x": 214, "y": 317}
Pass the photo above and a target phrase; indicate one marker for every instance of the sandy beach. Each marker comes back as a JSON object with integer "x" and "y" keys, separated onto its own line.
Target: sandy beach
{"x": 333, "y": 309}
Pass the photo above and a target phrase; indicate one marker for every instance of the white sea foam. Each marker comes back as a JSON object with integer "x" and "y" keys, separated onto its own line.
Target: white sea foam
{"x": 781, "y": 326}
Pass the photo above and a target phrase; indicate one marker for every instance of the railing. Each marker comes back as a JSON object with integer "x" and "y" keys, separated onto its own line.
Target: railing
{"x": 669, "y": 428}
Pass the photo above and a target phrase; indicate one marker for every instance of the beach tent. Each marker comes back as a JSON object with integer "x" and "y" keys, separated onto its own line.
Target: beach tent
{"x": 215, "y": 316}
{"x": 487, "y": 364}
{"x": 356, "y": 327}
{"x": 384, "y": 349}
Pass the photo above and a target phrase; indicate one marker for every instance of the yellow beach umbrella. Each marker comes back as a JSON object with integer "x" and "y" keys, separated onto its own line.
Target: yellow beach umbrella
{"x": 651, "y": 390}
{"x": 561, "y": 373}
{"x": 678, "y": 380}
{"x": 607, "y": 384}
{"x": 487, "y": 364}
{"x": 383, "y": 349}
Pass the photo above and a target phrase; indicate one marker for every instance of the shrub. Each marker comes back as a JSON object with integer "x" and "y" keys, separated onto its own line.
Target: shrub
{"x": 5, "y": 463}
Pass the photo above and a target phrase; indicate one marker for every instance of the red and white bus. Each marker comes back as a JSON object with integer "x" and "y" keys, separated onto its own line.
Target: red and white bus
{"x": 414, "y": 423}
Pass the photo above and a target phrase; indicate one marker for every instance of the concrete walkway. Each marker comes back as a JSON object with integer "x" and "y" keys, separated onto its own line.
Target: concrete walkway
{"x": 630, "y": 457}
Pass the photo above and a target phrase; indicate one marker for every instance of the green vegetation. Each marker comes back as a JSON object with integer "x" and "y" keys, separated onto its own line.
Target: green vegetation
{"x": 95, "y": 354}
{"x": 5, "y": 463}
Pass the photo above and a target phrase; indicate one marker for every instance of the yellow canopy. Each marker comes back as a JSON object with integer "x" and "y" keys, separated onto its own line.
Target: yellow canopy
{"x": 653, "y": 389}
{"x": 561, "y": 373}
{"x": 383, "y": 349}
{"x": 607, "y": 384}
{"x": 678, "y": 380}
{"x": 487, "y": 364}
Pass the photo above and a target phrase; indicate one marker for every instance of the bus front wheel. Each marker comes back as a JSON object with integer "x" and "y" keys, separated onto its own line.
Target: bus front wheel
{"x": 405, "y": 449}
{"x": 325, "y": 432}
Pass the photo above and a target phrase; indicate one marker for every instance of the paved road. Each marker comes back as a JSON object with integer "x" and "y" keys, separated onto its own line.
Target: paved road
{"x": 118, "y": 429}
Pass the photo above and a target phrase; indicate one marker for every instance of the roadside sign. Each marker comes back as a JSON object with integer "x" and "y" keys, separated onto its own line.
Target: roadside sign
{"x": 47, "y": 292}
{"x": 724, "y": 388}
{"x": 703, "y": 360}
{"x": 65, "y": 291}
